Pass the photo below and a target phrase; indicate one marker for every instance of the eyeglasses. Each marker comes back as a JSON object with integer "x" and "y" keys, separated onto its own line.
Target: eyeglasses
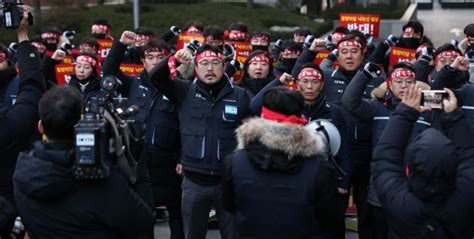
{"x": 407, "y": 81}
{"x": 307, "y": 82}
{"x": 206, "y": 63}
{"x": 446, "y": 61}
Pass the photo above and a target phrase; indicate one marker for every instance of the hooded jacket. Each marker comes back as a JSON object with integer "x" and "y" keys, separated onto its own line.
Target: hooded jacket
{"x": 273, "y": 161}
{"x": 54, "y": 205}
{"x": 435, "y": 199}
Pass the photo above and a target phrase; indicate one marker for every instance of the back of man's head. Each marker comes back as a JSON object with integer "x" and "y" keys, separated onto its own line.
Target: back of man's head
{"x": 432, "y": 164}
{"x": 284, "y": 101}
{"x": 59, "y": 110}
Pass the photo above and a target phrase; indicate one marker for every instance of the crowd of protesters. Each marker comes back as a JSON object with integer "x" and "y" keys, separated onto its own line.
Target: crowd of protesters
{"x": 216, "y": 133}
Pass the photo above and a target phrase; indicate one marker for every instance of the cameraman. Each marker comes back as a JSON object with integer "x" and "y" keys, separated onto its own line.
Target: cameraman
{"x": 18, "y": 121}
{"x": 54, "y": 205}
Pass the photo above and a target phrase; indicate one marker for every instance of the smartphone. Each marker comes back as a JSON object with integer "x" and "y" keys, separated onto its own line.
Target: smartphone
{"x": 433, "y": 98}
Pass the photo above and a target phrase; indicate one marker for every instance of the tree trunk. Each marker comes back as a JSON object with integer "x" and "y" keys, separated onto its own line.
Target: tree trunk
{"x": 249, "y": 4}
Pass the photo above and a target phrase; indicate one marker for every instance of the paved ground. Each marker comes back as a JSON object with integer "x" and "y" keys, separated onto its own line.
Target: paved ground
{"x": 162, "y": 232}
{"x": 439, "y": 22}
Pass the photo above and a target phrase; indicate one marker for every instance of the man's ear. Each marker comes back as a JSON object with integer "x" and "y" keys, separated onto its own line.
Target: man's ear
{"x": 40, "y": 127}
{"x": 142, "y": 60}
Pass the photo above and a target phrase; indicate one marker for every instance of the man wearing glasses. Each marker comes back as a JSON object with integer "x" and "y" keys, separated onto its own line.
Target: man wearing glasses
{"x": 451, "y": 68}
{"x": 210, "y": 109}
{"x": 377, "y": 112}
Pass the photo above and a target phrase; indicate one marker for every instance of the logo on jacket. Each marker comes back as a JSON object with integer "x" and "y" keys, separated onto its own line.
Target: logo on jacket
{"x": 230, "y": 109}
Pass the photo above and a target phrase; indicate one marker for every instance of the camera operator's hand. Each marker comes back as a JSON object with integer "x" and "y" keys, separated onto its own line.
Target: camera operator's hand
{"x": 183, "y": 56}
{"x": 58, "y": 55}
{"x": 318, "y": 45}
{"x": 128, "y": 38}
{"x": 22, "y": 31}
{"x": 286, "y": 78}
{"x": 412, "y": 98}
{"x": 450, "y": 103}
{"x": 460, "y": 63}
{"x": 179, "y": 169}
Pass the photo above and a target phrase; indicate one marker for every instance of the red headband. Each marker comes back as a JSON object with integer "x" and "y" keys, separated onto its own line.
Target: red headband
{"x": 447, "y": 54}
{"x": 193, "y": 29}
{"x": 402, "y": 73}
{"x": 288, "y": 51}
{"x": 262, "y": 37}
{"x": 99, "y": 28}
{"x": 208, "y": 53}
{"x": 337, "y": 36}
{"x": 147, "y": 37}
{"x": 349, "y": 43}
{"x": 49, "y": 35}
{"x": 409, "y": 30}
{"x": 309, "y": 72}
{"x": 38, "y": 45}
{"x": 272, "y": 115}
{"x": 259, "y": 58}
{"x": 238, "y": 35}
{"x": 3, "y": 56}
{"x": 156, "y": 49}
{"x": 86, "y": 59}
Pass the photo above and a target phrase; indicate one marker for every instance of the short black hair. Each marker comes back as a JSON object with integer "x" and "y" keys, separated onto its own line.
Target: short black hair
{"x": 341, "y": 30}
{"x": 59, "y": 110}
{"x": 403, "y": 64}
{"x": 101, "y": 21}
{"x": 215, "y": 31}
{"x": 417, "y": 26}
{"x": 469, "y": 30}
{"x": 90, "y": 41}
{"x": 447, "y": 47}
{"x": 160, "y": 44}
{"x": 309, "y": 65}
{"x": 303, "y": 31}
{"x": 283, "y": 100}
{"x": 292, "y": 45}
{"x": 194, "y": 23}
{"x": 261, "y": 34}
{"x": 239, "y": 26}
{"x": 143, "y": 31}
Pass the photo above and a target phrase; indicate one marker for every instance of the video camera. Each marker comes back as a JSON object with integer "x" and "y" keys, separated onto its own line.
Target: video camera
{"x": 12, "y": 14}
{"x": 103, "y": 136}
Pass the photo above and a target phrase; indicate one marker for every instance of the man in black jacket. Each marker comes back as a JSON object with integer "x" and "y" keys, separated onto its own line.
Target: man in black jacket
{"x": 431, "y": 197}
{"x": 52, "y": 204}
{"x": 210, "y": 109}
{"x": 159, "y": 118}
{"x": 279, "y": 183}
{"x": 18, "y": 121}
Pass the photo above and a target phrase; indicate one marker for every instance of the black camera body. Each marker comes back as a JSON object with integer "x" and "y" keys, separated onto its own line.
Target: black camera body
{"x": 91, "y": 147}
{"x": 102, "y": 137}
{"x": 12, "y": 14}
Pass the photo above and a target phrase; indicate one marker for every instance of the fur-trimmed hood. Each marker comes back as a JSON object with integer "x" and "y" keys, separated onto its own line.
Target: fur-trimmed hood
{"x": 291, "y": 139}
{"x": 381, "y": 90}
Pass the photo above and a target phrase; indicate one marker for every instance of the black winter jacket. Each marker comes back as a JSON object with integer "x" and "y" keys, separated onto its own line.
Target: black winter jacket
{"x": 320, "y": 109}
{"x": 279, "y": 189}
{"x": 52, "y": 204}
{"x": 9, "y": 82}
{"x": 207, "y": 121}
{"x": 19, "y": 121}
{"x": 426, "y": 204}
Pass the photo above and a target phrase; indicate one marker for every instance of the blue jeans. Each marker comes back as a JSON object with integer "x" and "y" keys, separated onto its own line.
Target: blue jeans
{"x": 197, "y": 201}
